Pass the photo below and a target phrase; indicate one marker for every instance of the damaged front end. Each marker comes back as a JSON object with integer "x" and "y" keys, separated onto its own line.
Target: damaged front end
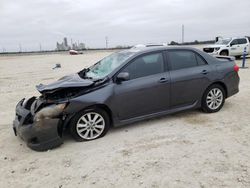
{"x": 39, "y": 126}
{"x": 40, "y": 120}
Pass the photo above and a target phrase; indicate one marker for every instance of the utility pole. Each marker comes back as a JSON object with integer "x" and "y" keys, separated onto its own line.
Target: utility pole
{"x": 20, "y": 47}
{"x": 106, "y": 39}
{"x": 40, "y": 46}
{"x": 182, "y": 29}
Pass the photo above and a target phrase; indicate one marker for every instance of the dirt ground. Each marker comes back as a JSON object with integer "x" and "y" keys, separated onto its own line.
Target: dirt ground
{"x": 188, "y": 149}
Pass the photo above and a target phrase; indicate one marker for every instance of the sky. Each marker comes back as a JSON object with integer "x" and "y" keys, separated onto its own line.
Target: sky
{"x": 29, "y": 23}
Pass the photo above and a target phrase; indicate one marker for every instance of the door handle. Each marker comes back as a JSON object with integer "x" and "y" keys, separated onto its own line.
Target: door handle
{"x": 204, "y": 72}
{"x": 163, "y": 80}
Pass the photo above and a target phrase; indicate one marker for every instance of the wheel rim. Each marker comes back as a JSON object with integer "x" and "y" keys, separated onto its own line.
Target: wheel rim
{"x": 224, "y": 53}
{"x": 214, "y": 98}
{"x": 90, "y": 125}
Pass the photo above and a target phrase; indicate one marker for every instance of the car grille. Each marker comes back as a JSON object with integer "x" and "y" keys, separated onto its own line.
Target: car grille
{"x": 208, "y": 50}
{"x": 28, "y": 119}
{"x": 18, "y": 117}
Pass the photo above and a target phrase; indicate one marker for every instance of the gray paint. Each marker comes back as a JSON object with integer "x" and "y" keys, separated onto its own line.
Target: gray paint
{"x": 128, "y": 101}
{"x": 73, "y": 80}
{"x": 145, "y": 97}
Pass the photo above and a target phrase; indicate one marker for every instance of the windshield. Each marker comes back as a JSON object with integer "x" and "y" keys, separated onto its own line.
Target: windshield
{"x": 108, "y": 64}
{"x": 223, "y": 41}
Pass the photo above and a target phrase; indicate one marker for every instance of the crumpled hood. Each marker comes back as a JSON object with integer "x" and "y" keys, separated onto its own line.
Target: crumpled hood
{"x": 70, "y": 81}
{"x": 214, "y": 46}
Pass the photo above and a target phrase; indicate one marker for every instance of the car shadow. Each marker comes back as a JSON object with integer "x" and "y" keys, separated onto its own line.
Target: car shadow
{"x": 143, "y": 123}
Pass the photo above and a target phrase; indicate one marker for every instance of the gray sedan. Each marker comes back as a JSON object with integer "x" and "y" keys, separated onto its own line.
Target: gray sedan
{"x": 125, "y": 87}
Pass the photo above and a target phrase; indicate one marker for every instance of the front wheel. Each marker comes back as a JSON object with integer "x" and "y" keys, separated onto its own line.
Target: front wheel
{"x": 213, "y": 99}
{"x": 89, "y": 124}
{"x": 224, "y": 53}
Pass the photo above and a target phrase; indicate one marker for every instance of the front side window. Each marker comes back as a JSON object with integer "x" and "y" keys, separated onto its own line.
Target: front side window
{"x": 145, "y": 66}
{"x": 234, "y": 42}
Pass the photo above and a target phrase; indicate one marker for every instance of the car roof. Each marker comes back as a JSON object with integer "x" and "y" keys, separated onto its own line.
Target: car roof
{"x": 140, "y": 51}
{"x": 238, "y": 37}
{"x": 157, "y": 48}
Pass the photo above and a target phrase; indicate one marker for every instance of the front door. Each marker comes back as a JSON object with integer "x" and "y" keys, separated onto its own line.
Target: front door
{"x": 147, "y": 91}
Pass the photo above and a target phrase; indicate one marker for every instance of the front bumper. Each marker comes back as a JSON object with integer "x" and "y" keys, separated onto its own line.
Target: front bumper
{"x": 211, "y": 51}
{"x": 214, "y": 53}
{"x": 39, "y": 135}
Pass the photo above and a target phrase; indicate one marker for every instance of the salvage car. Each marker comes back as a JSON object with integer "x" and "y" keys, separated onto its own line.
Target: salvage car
{"x": 122, "y": 88}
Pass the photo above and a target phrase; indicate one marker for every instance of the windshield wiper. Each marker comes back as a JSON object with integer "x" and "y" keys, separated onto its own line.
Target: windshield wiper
{"x": 83, "y": 72}
{"x": 101, "y": 80}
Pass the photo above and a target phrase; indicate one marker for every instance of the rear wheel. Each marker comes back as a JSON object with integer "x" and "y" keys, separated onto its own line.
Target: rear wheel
{"x": 238, "y": 56}
{"x": 89, "y": 124}
{"x": 213, "y": 98}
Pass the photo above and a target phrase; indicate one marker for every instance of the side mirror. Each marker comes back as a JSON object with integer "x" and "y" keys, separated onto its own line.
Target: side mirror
{"x": 232, "y": 44}
{"x": 122, "y": 76}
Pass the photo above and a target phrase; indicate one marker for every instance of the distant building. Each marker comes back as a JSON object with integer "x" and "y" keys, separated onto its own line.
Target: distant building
{"x": 64, "y": 45}
{"x": 81, "y": 46}
{"x": 65, "y": 41}
{"x": 74, "y": 46}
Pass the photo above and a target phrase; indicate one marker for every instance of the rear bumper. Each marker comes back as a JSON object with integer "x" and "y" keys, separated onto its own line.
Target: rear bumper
{"x": 39, "y": 135}
{"x": 233, "y": 92}
{"x": 232, "y": 83}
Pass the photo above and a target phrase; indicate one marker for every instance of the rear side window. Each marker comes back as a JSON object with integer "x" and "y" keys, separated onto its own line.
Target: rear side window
{"x": 200, "y": 60}
{"x": 242, "y": 41}
{"x": 145, "y": 65}
{"x": 181, "y": 59}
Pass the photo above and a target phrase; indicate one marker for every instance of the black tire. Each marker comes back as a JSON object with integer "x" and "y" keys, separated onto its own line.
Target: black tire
{"x": 238, "y": 56}
{"x": 224, "y": 53}
{"x": 78, "y": 116}
{"x": 204, "y": 104}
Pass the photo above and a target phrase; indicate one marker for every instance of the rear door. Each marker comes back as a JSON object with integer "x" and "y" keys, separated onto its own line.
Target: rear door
{"x": 235, "y": 48}
{"x": 148, "y": 89}
{"x": 190, "y": 75}
{"x": 243, "y": 44}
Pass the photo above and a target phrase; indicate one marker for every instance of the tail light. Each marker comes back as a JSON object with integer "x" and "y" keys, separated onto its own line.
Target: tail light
{"x": 236, "y": 68}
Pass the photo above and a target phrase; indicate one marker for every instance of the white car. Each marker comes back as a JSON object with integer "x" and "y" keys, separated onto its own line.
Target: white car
{"x": 229, "y": 47}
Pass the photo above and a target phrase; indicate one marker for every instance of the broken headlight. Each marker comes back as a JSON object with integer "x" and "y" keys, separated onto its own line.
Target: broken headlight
{"x": 49, "y": 112}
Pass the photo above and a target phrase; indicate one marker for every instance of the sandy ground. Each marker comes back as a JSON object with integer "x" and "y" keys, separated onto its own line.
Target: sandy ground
{"x": 188, "y": 149}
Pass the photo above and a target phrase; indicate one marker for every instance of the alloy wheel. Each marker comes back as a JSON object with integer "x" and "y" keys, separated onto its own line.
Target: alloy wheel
{"x": 90, "y": 126}
{"x": 214, "y": 98}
